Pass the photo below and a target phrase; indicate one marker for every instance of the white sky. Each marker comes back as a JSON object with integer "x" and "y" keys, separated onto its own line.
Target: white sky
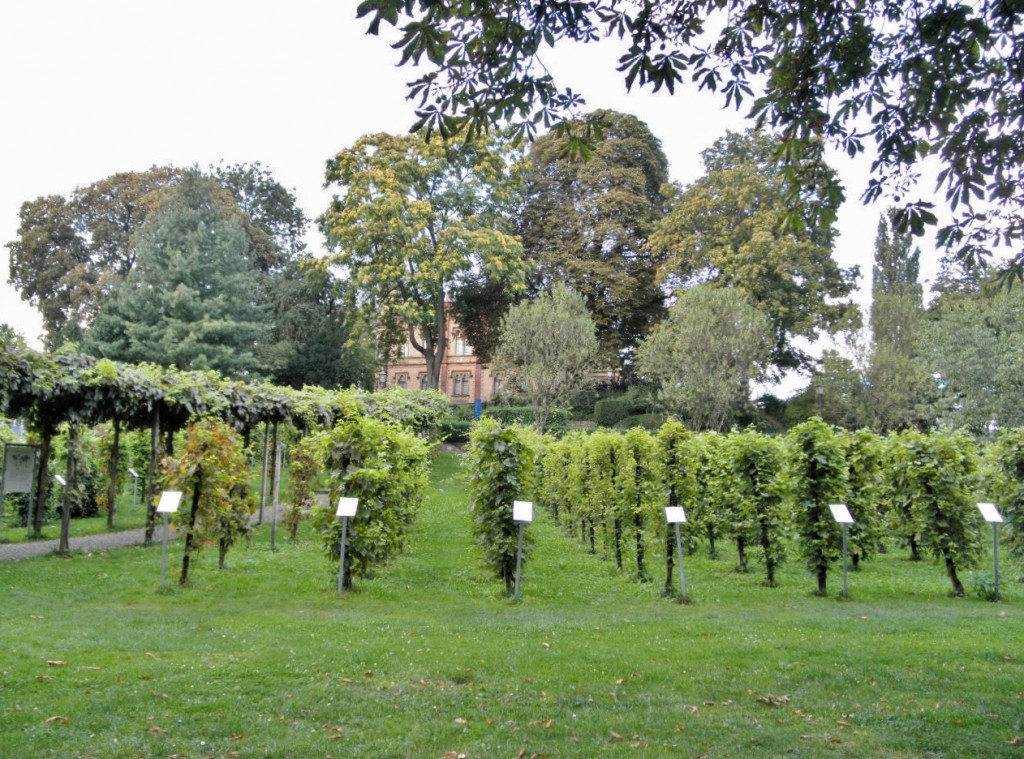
{"x": 89, "y": 89}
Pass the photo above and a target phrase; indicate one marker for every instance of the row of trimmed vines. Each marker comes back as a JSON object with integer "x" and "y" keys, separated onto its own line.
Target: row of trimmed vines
{"x": 770, "y": 495}
{"x": 368, "y": 445}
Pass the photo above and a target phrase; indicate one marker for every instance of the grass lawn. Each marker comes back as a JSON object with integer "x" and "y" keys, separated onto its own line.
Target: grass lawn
{"x": 430, "y": 659}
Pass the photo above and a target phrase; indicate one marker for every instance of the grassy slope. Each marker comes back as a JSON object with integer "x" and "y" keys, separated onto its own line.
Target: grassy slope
{"x": 429, "y": 657}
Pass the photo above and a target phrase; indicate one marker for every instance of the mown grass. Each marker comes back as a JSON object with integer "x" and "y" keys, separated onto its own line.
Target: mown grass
{"x": 430, "y": 659}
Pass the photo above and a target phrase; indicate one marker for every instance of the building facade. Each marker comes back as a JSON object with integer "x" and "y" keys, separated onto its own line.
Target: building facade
{"x": 463, "y": 378}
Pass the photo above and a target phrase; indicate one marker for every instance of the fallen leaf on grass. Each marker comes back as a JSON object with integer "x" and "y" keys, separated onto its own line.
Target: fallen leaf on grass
{"x": 1015, "y": 742}
{"x": 150, "y": 654}
{"x": 872, "y": 682}
{"x": 549, "y": 724}
{"x": 43, "y": 678}
{"x": 842, "y": 723}
{"x": 36, "y": 616}
{"x": 771, "y": 700}
{"x": 57, "y": 718}
{"x": 461, "y": 721}
{"x": 347, "y": 680}
{"x": 680, "y": 728}
{"x": 616, "y": 736}
{"x": 55, "y": 663}
{"x": 862, "y": 618}
{"x": 236, "y": 736}
{"x": 546, "y": 645}
{"x": 156, "y": 730}
{"x": 454, "y": 755}
{"x": 834, "y": 740}
{"x": 693, "y": 709}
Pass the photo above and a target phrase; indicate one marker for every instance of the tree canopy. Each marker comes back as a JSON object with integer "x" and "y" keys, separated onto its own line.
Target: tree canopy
{"x": 548, "y": 348}
{"x": 587, "y": 223}
{"x": 704, "y": 355}
{"x": 895, "y": 81}
{"x": 723, "y": 229}
{"x": 70, "y": 251}
{"x": 193, "y": 299}
{"x": 415, "y": 220}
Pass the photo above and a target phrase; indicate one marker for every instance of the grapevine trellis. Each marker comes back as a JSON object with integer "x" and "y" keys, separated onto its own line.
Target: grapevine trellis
{"x": 73, "y": 389}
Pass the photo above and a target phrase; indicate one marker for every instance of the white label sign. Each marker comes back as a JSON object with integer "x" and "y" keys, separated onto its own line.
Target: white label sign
{"x": 19, "y": 467}
{"x": 522, "y": 511}
{"x": 60, "y": 480}
{"x": 675, "y": 514}
{"x": 840, "y": 513}
{"x": 169, "y": 502}
{"x": 347, "y": 507}
{"x": 989, "y": 512}
{"x": 133, "y": 473}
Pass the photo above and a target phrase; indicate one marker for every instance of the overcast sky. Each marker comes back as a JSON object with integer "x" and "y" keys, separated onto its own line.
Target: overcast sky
{"x": 89, "y": 89}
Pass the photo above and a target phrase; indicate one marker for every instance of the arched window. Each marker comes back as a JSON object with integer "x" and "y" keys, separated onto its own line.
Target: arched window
{"x": 460, "y": 384}
{"x": 459, "y": 345}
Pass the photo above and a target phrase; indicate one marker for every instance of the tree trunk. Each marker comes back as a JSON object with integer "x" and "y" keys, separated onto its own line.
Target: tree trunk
{"x": 42, "y": 484}
{"x": 769, "y": 563}
{"x": 266, "y": 467}
{"x": 274, "y": 474}
{"x": 669, "y": 561}
{"x": 617, "y": 528}
{"x": 115, "y": 461}
{"x": 593, "y": 545}
{"x": 741, "y": 552}
{"x": 154, "y": 453}
{"x": 915, "y": 551}
{"x": 169, "y": 443}
{"x": 224, "y": 545}
{"x": 189, "y": 540}
{"x": 69, "y": 483}
{"x": 958, "y": 587}
{"x": 855, "y": 560}
{"x": 712, "y": 551}
{"x": 822, "y": 575}
{"x": 638, "y": 529}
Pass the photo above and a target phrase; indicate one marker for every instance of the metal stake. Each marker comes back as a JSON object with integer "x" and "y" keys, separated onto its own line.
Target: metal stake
{"x": 995, "y": 558}
{"x": 682, "y": 572}
{"x": 519, "y": 558}
{"x": 846, "y": 533}
{"x": 163, "y": 558}
{"x": 341, "y": 554}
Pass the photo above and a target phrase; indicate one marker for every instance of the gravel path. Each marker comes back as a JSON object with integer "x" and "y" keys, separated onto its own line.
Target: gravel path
{"x": 101, "y": 542}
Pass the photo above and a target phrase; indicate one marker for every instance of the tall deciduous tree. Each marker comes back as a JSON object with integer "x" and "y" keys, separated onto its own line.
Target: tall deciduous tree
{"x": 548, "y": 347}
{"x": 193, "y": 299}
{"x": 70, "y": 251}
{"x": 937, "y": 78}
{"x": 975, "y": 344}
{"x": 413, "y": 221}
{"x": 724, "y": 229}
{"x": 586, "y": 224}
{"x": 899, "y": 381}
{"x": 704, "y": 355}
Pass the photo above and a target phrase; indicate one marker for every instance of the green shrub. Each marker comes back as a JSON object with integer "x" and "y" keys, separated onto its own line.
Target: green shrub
{"x": 610, "y": 411}
{"x": 455, "y": 430}
{"x": 386, "y": 468}
{"x": 649, "y": 422}
{"x": 557, "y": 423}
{"x": 500, "y": 462}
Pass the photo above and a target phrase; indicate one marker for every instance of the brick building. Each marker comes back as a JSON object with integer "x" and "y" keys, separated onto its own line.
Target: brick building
{"x": 463, "y": 378}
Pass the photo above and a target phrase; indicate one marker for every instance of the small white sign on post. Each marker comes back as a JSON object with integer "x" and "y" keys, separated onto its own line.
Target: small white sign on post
{"x": 169, "y": 502}
{"x": 522, "y": 511}
{"x": 994, "y": 518}
{"x": 675, "y": 515}
{"x": 347, "y": 507}
{"x": 840, "y": 513}
{"x": 133, "y": 473}
{"x": 60, "y": 480}
{"x": 990, "y": 513}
